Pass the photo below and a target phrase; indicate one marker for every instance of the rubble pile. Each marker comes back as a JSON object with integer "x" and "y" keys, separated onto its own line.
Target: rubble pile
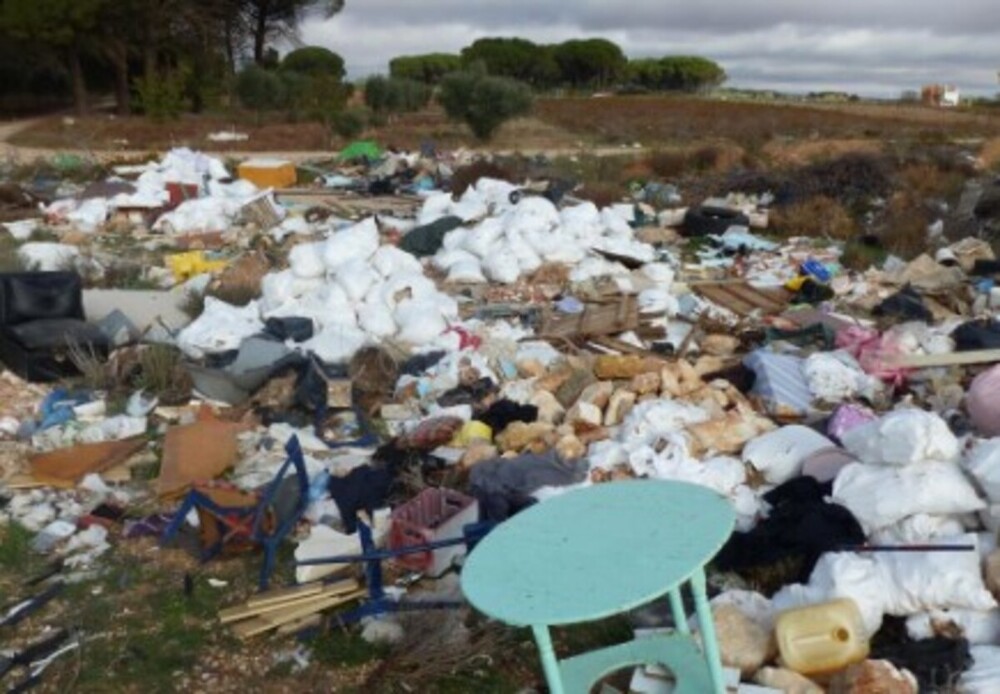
{"x": 505, "y": 347}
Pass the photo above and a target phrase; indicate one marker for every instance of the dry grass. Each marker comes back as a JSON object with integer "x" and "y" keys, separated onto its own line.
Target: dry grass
{"x": 668, "y": 164}
{"x": 675, "y": 163}
{"x": 94, "y": 373}
{"x": 904, "y": 227}
{"x": 815, "y": 216}
{"x": 558, "y": 124}
{"x": 601, "y": 194}
{"x": 660, "y": 119}
{"x": 438, "y": 647}
{"x": 990, "y": 154}
{"x": 273, "y": 134}
{"x": 783, "y": 153}
{"x": 926, "y": 180}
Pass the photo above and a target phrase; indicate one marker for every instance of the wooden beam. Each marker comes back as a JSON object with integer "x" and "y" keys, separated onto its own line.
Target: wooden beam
{"x": 927, "y": 361}
{"x": 273, "y": 620}
{"x": 285, "y": 599}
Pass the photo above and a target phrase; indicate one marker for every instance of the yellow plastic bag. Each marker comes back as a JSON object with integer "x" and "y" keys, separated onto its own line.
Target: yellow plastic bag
{"x": 192, "y": 263}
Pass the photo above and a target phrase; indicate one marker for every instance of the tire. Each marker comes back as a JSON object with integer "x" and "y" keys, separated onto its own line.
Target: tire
{"x": 702, "y": 221}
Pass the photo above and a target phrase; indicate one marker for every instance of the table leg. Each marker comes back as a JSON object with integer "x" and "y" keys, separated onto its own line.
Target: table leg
{"x": 707, "y": 627}
{"x": 550, "y": 664}
{"x": 677, "y": 609}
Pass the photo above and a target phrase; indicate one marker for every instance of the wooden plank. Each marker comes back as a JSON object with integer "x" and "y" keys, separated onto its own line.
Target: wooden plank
{"x": 627, "y": 348}
{"x": 297, "y": 626}
{"x": 22, "y": 481}
{"x": 272, "y": 620}
{"x": 742, "y": 298}
{"x": 758, "y": 297}
{"x": 924, "y": 361}
{"x": 288, "y": 599}
{"x": 719, "y": 295}
{"x": 596, "y": 319}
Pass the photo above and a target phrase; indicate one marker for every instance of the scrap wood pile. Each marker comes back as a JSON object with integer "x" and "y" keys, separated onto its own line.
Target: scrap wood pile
{"x": 461, "y": 358}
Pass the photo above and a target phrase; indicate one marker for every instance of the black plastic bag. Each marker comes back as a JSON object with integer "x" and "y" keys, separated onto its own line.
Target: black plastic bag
{"x": 906, "y": 304}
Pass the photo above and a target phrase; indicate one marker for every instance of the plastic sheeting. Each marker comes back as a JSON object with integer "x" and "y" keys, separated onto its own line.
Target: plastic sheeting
{"x": 221, "y": 327}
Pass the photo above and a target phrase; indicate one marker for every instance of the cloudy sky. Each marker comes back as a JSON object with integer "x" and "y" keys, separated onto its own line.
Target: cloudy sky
{"x": 871, "y": 47}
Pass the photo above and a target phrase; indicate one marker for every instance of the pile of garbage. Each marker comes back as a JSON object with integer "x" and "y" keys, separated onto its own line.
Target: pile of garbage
{"x": 507, "y": 346}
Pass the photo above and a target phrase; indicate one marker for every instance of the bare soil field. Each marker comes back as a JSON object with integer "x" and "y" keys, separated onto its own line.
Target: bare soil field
{"x": 558, "y": 124}
{"x": 109, "y": 133}
{"x": 682, "y": 119}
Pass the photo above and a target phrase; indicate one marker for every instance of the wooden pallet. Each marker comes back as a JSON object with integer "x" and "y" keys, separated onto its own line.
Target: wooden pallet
{"x": 743, "y": 299}
{"x": 596, "y": 319}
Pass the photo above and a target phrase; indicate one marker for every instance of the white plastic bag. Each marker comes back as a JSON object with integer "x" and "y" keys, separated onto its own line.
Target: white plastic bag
{"x": 903, "y": 437}
{"x": 779, "y": 454}
{"x": 880, "y": 496}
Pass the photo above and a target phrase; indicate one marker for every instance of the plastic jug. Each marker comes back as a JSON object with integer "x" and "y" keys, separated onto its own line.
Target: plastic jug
{"x": 823, "y": 638}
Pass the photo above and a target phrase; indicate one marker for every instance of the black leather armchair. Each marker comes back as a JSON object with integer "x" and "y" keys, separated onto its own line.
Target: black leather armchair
{"x": 41, "y": 317}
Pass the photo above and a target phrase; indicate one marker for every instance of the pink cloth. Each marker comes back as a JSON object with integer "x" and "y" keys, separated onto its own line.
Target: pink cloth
{"x": 983, "y": 402}
{"x": 847, "y": 417}
{"x": 871, "y": 349}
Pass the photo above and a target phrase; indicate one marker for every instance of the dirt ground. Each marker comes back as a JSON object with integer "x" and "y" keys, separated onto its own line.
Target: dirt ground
{"x": 149, "y": 621}
{"x": 609, "y": 125}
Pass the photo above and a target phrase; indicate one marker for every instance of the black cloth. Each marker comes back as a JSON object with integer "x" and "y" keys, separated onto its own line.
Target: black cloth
{"x": 428, "y": 239}
{"x": 906, "y": 305}
{"x": 935, "y": 662}
{"x": 503, "y": 412}
{"x": 801, "y": 525}
{"x": 382, "y": 186}
{"x": 977, "y": 334}
{"x": 470, "y": 394}
{"x": 419, "y": 363}
{"x": 290, "y": 328}
{"x": 985, "y": 267}
{"x": 812, "y": 292}
{"x": 362, "y": 489}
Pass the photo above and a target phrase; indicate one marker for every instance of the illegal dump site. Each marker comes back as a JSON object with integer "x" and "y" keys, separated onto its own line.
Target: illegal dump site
{"x": 445, "y": 420}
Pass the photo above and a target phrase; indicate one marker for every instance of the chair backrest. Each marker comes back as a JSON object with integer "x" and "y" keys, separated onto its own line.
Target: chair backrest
{"x": 29, "y": 296}
{"x": 282, "y": 499}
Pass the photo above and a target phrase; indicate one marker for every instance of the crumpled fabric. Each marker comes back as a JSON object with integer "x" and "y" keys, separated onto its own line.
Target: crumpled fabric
{"x": 870, "y": 349}
{"x": 505, "y": 486}
{"x": 846, "y": 417}
{"x": 364, "y": 488}
{"x": 801, "y": 526}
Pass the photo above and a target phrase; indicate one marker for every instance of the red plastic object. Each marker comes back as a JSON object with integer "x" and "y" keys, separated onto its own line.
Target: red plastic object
{"x": 179, "y": 192}
{"x": 431, "y": 516}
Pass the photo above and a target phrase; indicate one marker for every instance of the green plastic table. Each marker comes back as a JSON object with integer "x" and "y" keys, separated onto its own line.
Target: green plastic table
{"x": 599, "y": 551}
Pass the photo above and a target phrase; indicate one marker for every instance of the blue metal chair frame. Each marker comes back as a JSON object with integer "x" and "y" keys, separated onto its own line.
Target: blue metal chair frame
{"x": 258, "y": 513}
{"x": 378, "y": 601}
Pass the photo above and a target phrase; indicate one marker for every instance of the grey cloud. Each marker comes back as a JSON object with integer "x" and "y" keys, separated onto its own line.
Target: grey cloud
{"x": 867, "y": 46}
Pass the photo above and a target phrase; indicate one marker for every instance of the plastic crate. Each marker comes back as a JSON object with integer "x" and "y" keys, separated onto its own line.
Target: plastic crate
{"x": 431, "y": 516}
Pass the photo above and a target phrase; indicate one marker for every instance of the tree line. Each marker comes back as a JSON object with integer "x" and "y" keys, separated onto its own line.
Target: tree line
{"x": 153, "y": 48}
{"x": 164, "y": 57}
{"x": 577, "y": 64}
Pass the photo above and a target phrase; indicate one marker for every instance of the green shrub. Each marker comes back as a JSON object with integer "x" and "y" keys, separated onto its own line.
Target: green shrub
{"x": 260, "y": 90}
{"x": 350, "y": 123}
{"x": 396, "y": 95}
{"x": 314, "y": 61}
{"x": 483, "y": 102}
{"x": 162, "y": 97}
